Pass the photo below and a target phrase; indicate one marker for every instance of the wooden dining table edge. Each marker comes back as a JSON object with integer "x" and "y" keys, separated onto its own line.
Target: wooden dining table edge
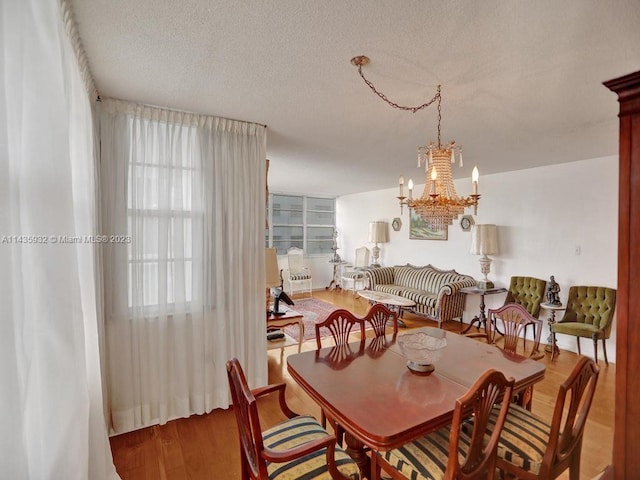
{"x": 377, "y": 443}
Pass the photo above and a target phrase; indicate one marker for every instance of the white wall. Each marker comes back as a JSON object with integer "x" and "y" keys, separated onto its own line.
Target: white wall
{"x": 543, "y": 215}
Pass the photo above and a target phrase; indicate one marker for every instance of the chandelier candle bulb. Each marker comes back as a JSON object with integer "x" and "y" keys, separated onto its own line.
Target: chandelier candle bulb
{"x": 410, "y": 185}
{"x": 475, "y": 175}
{"x": 434, "y": 176}
{"x": 401, "y": 185}
{"x": 461, "y": 164}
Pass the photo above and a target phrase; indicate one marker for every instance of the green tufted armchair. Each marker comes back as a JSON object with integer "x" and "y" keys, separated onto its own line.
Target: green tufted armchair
{"x": 528, "y": 292}
{"x": 589, "y": 314}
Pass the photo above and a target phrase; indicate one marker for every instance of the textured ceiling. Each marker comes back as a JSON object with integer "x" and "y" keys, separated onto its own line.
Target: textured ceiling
{"x": 521, "y": 80}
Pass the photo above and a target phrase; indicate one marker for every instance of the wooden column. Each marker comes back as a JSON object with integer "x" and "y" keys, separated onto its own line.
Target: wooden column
{"x": 626, "y": 461}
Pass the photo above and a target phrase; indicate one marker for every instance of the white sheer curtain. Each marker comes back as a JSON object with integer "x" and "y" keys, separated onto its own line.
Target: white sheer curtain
{"x": 183, "y": 290}
{"x": 51, "y": 408}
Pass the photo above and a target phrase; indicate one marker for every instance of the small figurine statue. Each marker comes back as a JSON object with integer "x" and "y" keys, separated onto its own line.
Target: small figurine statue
{"x": 553, "y": 290}
{"x": 336, "y": 258}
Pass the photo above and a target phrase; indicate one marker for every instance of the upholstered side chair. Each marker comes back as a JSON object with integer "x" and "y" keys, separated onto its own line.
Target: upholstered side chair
{"x": 589, "y": 314}
{"x": 298, "y": 447}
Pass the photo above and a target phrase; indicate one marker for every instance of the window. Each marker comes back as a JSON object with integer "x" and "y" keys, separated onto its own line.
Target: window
{"x": 163, "y": 214}
{"x": 303, "y": 222}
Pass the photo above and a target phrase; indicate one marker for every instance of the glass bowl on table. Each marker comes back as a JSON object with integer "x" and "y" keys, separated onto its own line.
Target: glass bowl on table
{"x": 422, "y": 349}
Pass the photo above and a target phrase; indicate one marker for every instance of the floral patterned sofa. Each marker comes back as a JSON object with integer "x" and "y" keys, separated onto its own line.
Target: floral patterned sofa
{"x": 436, "y": 292}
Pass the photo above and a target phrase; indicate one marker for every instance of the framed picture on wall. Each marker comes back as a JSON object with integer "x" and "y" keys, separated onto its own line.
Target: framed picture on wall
{"x": 419, "y": 230}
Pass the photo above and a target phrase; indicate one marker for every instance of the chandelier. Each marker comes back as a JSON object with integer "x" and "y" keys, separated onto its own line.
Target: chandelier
{"x": 439, "y": 204}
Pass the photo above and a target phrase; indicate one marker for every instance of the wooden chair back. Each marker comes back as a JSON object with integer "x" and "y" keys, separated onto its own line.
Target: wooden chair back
{"x": 340, "y": 323}
{"x": 567, "y": 428}
{"x": 378, "y": 317}
{"x": 514, "y": 320}
{"x": 490, "y": 390}
{"x": 246, "y": 411}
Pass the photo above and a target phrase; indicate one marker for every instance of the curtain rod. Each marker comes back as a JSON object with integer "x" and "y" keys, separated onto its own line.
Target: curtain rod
{"x": 99, "y": 99}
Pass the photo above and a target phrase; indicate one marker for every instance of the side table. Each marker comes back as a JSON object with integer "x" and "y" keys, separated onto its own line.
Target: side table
{"x": 337, "y": 274}
{"x": 552, "y": 345}
{"x": 481, "y": 319}
{"x": 290, "y": 317}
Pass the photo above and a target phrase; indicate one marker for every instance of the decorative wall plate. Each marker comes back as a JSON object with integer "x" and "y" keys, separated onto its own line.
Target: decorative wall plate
{"x": 396, "y": 224}
{"x": 466, "y": 222}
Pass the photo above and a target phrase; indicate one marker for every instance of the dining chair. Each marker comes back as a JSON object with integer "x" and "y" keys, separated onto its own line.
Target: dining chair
{"x": 378, "y": 317}
{"x": 295, "y": 448}
{"x": 589, "y": 314}
{"x": 450, "y": 453}
{"x": 514, "y": 320}
{"x": 530, "y": 448}
{"x": 340, "y": 324}
{"x": 528, "y": 292}
{"x": 297, "y": 275}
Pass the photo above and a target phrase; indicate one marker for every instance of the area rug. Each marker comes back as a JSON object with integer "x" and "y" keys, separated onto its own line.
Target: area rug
{"x": 313, "y": 311}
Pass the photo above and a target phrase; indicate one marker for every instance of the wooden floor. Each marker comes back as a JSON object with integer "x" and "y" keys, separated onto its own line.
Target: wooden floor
{"x": 206, "y": 446}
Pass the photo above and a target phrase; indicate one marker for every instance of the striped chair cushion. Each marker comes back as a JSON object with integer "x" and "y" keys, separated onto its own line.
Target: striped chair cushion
{"x": 523, "y": 440}
{"x": 300, "y": 276}
{"x": 297, "y": 431}
{"x": 353, "y": 274}
{"x": 427, "y": 457}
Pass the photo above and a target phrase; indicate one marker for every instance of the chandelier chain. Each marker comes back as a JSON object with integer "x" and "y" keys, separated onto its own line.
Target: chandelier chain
{"x": 393, "y": 104}
{"x": 439, "y": 115}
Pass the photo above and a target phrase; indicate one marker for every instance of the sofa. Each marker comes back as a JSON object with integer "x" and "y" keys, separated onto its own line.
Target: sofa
{"x": 436, "y": 292}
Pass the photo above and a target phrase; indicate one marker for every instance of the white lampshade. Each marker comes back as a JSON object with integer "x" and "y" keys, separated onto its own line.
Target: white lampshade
{"x": 271, "y": 264}
{"x": 484, "y": 239}
{"x": 378, "y": 232}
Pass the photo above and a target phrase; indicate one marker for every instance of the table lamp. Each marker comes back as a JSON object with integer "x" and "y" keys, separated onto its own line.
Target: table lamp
{"x": 484, "y": 241}
{"x": 377, "y": 234}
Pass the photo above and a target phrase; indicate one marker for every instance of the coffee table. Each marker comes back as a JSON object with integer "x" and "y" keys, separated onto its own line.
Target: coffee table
{"x": 400, "y": 304}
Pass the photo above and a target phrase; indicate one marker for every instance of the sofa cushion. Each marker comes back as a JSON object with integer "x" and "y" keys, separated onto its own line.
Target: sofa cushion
{"x": 426, "y": 278}
{"x": 421, "y": 297}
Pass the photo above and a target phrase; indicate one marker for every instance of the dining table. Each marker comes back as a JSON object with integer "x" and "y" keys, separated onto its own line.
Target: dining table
{"x": 367, "y": 388}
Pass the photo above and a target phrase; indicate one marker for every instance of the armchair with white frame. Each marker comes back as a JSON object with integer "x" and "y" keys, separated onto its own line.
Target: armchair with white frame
{"x": 355, "y": 279}
{"x": 297, "y": 276}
